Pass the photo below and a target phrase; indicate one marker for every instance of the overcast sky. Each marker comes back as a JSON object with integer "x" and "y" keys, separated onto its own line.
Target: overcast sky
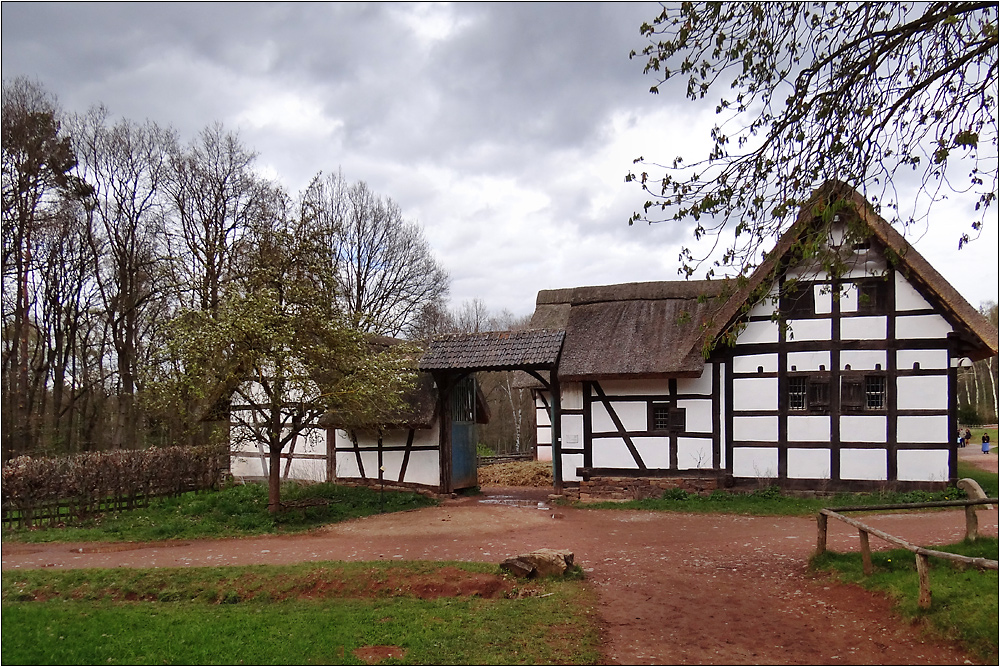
{"x": 504, "y": 130}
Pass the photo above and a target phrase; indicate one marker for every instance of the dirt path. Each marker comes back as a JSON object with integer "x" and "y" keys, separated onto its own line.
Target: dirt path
{"x": 674, "y": 588}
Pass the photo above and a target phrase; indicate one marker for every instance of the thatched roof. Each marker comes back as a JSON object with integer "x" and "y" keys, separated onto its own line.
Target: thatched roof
{"x": 660, "y": 329}
{"x": 977, "y": 336}
{"x": 635, "y": 330}
{"x": 493, "y": 351}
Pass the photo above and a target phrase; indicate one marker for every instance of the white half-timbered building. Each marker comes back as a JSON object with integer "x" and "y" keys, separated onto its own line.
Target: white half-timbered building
{"x": 796, "y": 378}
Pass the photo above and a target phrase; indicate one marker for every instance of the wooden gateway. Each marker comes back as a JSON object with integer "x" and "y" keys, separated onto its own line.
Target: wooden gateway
{"x": 795, "y": 378}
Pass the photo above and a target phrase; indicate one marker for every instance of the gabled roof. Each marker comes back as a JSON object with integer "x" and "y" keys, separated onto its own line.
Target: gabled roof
{"x": 494, "y": 351}
{"x": 660, "y": 329}
{"x": 635, "y": 330}
{"x": 977, "y": 334}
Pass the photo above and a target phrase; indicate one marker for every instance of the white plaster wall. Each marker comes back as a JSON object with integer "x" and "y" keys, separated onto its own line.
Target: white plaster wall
{"x": 930, "y": 429}
{"x": 763, "y": 309}
{"x": 572, "y": 431}
{"x": 863, "y": 464}
{"x": 755, "y": 393}
{"x": 751, "y": 362}
{"x": 248, "y": 465}
{"x": 312, "y": 470}
{"x": 823, "y": 298}
{"x": 922, "y": 465}
{"x": 809, "y": 428}
{"x": 655, "y": 453}
{"x": 636, "y": 387}
{"x": 922, "y": 392}
{"x": 759, "y": 332}
{"x": 809, "y": 361}
{"x": 849, "y": 299}
{"x": 572, "y": 395}
{"x": 863, "y": 328}
{"x": 542, "y": 417}
{"x": 544, "y": 452}
{"x": 698, "y": 385}
{"x": 801, "y": 330}
{"x": 424, "y": 467}
{"x": 922, "y": 326}
{"x": 863, "y": 360}
{"x": 755, "y": 428}
{"x": 759, "y": 462}
{"x": 926, "y": 358}
{"x": 862, "y": 428}
{"x": 809, "y": 464}
{"x": 908, "y": 298}
{"x": 347, "y": 465}
{"x": 544, "y": 436}
{"x": 698, "y": 415}
{"x": 694, "y": 453}
{"x": 611, "y": 453}
{"x": 570, "y": 463}
{"x": 632, "y": 415}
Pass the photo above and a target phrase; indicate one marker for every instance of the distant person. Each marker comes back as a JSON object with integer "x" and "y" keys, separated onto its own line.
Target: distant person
{"x": 986, "y": 442}
{"x": 968, "y": 437}
{"x": 961, "y": 438}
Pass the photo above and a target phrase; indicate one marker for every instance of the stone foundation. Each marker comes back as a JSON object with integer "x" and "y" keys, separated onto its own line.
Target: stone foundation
{"x": 638, "y": 488}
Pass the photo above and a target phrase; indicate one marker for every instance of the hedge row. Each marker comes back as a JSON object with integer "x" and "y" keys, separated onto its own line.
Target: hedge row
{"x": 85, "y": 482}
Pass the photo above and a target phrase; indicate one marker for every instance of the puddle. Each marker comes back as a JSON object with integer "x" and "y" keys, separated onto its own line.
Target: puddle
{"x": 514, "y": 501}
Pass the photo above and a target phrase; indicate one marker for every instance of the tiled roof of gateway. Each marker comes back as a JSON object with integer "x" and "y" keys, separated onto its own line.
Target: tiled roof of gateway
{"x": 494, "y": 350}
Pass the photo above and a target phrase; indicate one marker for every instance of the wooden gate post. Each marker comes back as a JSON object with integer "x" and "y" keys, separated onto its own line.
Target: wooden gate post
{"x": 821, "y": 520}
{"x": 924, "y": 575}
{"x": 866, "y": 552}
{"x": 971, "y": 523}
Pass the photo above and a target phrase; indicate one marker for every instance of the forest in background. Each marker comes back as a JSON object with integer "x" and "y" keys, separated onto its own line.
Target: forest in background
{"x": 145, "y": 279}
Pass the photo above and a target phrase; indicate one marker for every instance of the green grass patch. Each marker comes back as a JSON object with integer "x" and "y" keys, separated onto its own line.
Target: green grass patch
{"x": 770, "y": 501}
{"x": 987, "y": 480}
{"x": 964, "y": 604}
{"x": 233, "y": 511}
{"x": 207, "y": 616}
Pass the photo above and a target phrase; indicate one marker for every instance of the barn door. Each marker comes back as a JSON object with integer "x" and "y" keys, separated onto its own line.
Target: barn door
{"x": 463, "y": 434}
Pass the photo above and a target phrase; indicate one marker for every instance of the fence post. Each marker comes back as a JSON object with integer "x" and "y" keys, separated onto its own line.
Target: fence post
{"x": 866, "y": 552}
{"x": 820, "y": 533}
{"x": 924, "y": 575}
{"x": 971, "y": 523}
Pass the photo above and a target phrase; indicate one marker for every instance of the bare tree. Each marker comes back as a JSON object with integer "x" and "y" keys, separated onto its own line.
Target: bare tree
{"x": 216, "y": 197}
{"x": 385, "y": 270}
{"x": 128, "y": 165}
{"x": 37, "y": 179}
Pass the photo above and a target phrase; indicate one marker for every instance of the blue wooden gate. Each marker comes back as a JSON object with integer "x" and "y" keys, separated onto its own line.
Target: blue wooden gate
{"x": 464, "y": 435}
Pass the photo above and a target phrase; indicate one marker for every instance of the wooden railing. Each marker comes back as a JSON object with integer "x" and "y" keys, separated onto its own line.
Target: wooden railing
{"x": 922, "y": 553}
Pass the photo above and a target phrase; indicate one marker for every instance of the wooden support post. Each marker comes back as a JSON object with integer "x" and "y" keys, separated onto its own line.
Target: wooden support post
{"x": 866, "y": 553}
{"x": 971, "y": 523}
{"x": 821, "y": 520}
{"x": 924, "y": 575}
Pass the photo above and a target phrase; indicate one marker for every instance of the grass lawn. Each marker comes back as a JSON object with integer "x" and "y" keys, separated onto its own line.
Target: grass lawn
{"x": 770, "y": 501}
{"x": 319, "y": 613}
{"x": 964, "y": 603}
{"x": 233, "y": 511}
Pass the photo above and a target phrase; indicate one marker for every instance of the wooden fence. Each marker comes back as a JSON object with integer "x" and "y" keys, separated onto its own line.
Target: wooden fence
{"x": 38, "y": 491}
{"x": 63, "y": 510}
{"x": 922, "y": 553}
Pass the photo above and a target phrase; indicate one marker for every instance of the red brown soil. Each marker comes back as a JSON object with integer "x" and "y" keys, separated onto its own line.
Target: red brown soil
{"x": 672, "y": 588}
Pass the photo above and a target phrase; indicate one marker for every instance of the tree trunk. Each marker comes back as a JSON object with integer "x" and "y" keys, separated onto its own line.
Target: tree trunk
{"x": 274, "y": 479}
